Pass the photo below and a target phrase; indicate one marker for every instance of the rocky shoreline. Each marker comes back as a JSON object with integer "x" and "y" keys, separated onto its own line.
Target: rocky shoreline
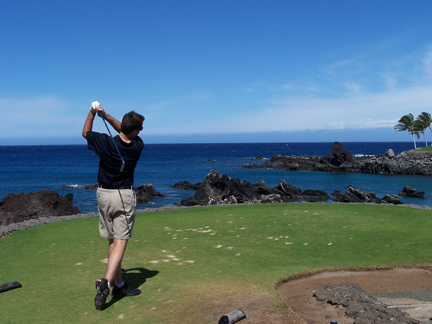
{"x": 340, "y": 160}
{"x": 19, "y": 211}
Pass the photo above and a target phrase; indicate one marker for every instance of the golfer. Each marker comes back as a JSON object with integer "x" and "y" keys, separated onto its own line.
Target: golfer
{"x": 115, "y": 195}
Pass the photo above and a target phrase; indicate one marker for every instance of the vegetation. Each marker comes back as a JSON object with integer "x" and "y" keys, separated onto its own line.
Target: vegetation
{"x": 195, "y": 264}
{"x": 415, "y": 126}
{"x": 424, "y": 149}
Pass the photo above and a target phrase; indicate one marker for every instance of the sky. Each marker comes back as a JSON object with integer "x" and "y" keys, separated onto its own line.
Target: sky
{"x": 215, "y": 71}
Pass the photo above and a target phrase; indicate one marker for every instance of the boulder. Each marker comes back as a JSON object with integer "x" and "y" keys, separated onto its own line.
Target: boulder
{"x": 362, "y": 307}
{"x": 186, "y": 185}
{"x": 315, "y": 194}
{"x": 148, "y": 190}
{"x": 15, "y": 208}
{"x": 390, "y": 154}
{"x": 287, "y": 190}
{"x": 392, "y": 199}
{"x": 354, "y": 195}
{"x": 340, "y": 154}
{"x": 411, "y": 192}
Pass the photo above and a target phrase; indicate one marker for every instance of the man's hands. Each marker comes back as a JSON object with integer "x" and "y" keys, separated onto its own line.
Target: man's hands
{"x": 95, "y": 104}
{"x": 97, "y": 109}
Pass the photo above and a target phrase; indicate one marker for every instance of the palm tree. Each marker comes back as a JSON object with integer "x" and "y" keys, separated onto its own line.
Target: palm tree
{"x": 406, "y": 123}
{"x": 419, "y": 126}
{"x": 426, "y": 119}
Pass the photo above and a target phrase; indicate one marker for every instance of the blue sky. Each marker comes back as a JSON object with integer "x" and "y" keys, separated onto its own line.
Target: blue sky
{"x": 215, "y": 71}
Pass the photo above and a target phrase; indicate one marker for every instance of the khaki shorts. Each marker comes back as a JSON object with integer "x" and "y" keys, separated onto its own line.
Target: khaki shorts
{"x": 116, "y": 212}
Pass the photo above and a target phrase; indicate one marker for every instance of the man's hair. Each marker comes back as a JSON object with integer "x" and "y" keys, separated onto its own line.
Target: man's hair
{"x": 132, "y": 121}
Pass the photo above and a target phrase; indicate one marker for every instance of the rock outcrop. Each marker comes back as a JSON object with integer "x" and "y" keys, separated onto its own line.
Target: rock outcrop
{"x": 144, "y": 191}
{"x": 218, "y": 189}
{"x": 410, "y": 162}
{"x": 354, "y": 195}
{"x": 407, "y": 191}
{"x": 15, "y": 208}
{"x": 186, "y": 185}
{"x": 360, "y": 306}
{"x": 148, "y": 190}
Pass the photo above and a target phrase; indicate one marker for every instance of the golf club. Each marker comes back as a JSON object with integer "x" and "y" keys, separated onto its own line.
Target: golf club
{"x": 94, "y": 105}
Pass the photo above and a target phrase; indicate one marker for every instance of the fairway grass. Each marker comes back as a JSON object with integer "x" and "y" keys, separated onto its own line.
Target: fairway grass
{"x": 194, "y": 265}
{"x": 424, "y": 149}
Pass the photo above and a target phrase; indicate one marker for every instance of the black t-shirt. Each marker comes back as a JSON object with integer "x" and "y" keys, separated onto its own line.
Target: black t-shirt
{"x": 109, "y": 174}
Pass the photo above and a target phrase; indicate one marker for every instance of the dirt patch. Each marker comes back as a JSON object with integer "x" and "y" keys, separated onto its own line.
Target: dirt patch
{"x": 298, "y": 293}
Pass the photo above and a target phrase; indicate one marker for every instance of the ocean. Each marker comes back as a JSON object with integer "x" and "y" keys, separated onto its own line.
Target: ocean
{"x": 34, "y": 168}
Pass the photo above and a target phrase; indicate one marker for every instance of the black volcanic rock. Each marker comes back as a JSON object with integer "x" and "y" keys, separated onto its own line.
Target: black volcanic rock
{"x": 354, "y": 195}
{"x": 362, "y": 307}
{"x": 410, "y": 162}
{"x": 148, "y": 190}
{"x": 411, "y": 192}
{"x": 186, "y": 185}
{"x": 315, "y": 194}
{"x": 218, "y": 189}
{"x": 15, "y": 208}
{"x": 287, "y": 190}
{"x": 340, "y": 154}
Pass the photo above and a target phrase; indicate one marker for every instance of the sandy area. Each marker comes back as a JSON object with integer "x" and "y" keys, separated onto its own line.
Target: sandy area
{"x": 297, "y": 293}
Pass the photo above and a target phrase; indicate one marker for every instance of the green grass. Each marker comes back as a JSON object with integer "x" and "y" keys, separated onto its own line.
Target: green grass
{"x": 194, "y": 265}
{"x": 424, "y": 149}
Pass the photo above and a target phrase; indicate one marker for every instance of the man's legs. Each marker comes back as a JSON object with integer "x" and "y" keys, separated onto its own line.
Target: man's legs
{"x": 116, "y": 250}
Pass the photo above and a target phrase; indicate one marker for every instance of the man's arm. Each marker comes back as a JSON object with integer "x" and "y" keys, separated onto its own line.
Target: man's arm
{"x": 110, "y": 119}
{"x": 88, "y": 125}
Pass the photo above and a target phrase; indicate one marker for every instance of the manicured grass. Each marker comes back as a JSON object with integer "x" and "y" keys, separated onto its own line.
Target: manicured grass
{"x": 194, "y": 265}
{"x": 425, "y": 149}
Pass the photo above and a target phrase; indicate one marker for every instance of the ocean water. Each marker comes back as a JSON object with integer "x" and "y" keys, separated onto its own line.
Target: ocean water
{"x": 34, "y": 168}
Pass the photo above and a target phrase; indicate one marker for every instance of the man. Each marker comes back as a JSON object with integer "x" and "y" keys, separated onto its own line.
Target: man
{"x": 115, "y": 196}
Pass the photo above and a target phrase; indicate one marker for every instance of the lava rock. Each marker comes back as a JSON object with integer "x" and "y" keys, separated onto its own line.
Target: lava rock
{"x": 364, "y": 308}
{"x": 411, "y": 192}
{"x": 148, "y": 190}
{"x": 186, "y": 185}
{"x": 15, "y": 208}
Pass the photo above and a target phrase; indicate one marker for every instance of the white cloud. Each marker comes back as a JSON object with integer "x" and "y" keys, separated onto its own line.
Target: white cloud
{"x": 41, "y": 110}
{"x": 356, "y": 111}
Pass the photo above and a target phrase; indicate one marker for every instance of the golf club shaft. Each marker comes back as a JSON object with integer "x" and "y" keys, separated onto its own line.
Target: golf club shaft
{"x": 123, "y": 162}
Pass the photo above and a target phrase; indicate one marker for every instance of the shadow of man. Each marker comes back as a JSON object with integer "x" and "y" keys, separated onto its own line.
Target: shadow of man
{"x": 135, "y": 277}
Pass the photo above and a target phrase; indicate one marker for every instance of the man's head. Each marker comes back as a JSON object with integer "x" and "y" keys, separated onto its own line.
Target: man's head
{"x": 132, "y": 122}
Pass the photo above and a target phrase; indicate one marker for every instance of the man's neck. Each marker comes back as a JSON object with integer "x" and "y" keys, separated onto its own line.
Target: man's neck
{"x": 124, "y": 138}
